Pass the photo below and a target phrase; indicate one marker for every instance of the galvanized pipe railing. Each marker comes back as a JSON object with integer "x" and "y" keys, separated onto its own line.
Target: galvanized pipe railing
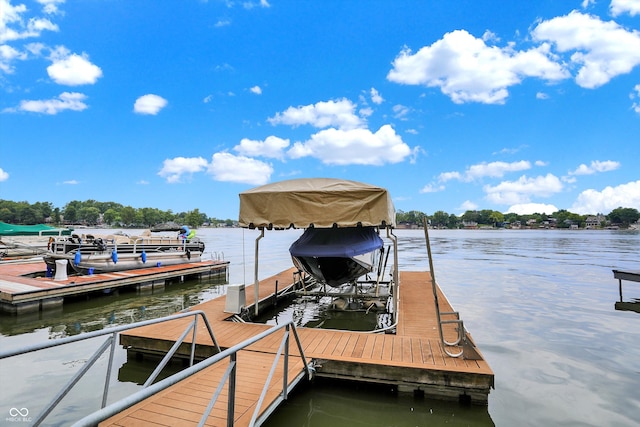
{"x": 110, "y": 342}
{"x": 229, "y": 376}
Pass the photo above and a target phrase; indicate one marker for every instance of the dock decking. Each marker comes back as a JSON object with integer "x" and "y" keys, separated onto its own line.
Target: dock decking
{"x": 21, "y": 292}
{"x": 411, "y": 359}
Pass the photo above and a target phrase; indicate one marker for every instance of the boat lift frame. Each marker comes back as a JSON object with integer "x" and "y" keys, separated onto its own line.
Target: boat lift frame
{"x": 394, "y": 284}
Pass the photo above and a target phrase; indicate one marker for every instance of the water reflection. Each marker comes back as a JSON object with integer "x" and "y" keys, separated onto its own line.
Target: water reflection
{"x": 337, "y": 404}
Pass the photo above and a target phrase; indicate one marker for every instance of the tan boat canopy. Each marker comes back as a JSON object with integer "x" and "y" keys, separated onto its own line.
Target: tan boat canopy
{"x": 316, "y": 202}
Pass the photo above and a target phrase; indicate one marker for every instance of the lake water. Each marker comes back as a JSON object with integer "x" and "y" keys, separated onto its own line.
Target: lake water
{"x": 539, "y": 304}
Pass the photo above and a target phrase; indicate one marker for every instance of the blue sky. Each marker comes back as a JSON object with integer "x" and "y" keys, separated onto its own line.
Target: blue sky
{"x": 505, "y": 105}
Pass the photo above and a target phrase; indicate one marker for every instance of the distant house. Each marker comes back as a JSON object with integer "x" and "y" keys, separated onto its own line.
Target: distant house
{"x": 470, "y": 225}
{"x": 594, "y": 221}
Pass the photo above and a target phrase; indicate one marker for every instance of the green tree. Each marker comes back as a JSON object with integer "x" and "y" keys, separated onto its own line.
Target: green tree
{"x": 71, "y": 211}
{"x": 109, "y": 216}
{"x": 471, "y": 216}
{"x": 624, "y": 216}
{"x": 496, "y": 218}
{"x": 27, "y": 214}
{"x": 194, "y": 218}
{"x": 55, "y": 216}
{"x": 440, "y": 219}
{"x": 89, "y": 214}
{"x": 151, "y": 216}
{"x": 128, "y": 215}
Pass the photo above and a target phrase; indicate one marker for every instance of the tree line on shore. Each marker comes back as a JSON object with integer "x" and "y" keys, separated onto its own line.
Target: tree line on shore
{"x": 92, "y": 213}
{"x": 561, "y": 219}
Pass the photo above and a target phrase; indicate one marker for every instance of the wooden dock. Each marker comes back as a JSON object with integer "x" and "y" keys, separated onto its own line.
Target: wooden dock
{"x": 24, "y": 287}
{"x": 412, "y": 359}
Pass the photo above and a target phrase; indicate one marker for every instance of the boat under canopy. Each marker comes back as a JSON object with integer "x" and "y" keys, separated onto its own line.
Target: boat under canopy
{"x": 341, "y": 219}
{"x": 336, "y": 255}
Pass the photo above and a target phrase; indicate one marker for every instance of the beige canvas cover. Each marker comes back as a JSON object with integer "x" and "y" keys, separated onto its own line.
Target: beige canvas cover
{"x": 317, "y": 202}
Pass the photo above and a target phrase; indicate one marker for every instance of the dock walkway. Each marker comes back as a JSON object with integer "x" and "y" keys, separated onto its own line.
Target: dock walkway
{"x": 412, "y": 359}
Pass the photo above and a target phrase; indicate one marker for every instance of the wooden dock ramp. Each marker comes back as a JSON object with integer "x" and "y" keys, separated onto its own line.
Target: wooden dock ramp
{"x": 184, "y": 403}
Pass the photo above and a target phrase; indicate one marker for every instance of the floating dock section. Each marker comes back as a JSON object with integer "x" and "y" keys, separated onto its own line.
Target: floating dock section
{"x": 25, "y": 289}
{"x": 412, "y": 359}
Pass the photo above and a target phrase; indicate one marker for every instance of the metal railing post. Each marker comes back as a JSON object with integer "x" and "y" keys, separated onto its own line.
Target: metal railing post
{"x": 72, "y": 382}
{"x": 107, "y": 380}
{"x": 231, "y": 399}
{"x": 285, "y": 374}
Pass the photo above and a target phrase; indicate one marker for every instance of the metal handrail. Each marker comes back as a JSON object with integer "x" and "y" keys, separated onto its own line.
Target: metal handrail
{"x": 110, "y": 343}
{"x": 467, "y": 350}
{"x": 229, "y": 376}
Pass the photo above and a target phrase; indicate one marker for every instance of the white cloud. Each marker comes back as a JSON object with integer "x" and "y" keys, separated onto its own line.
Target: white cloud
{"x": 521, "y": 191}
{"x": 71, "y": 182}
{"x": 542, "y": 95}
{"x": 251, "y": 4}
{"x": 7, "y": 55}
{"x": 468, "y": 205}
{"x": 339, "y": 113}
{"x": 466, "y": 69}
{"x": 603, "y": 50}
{"x": 149, "y": 104}
{"x": 256, "y": 90}
{"x": 401, "y": 111}
{"x": 596, "y": 166}
{"x": 532, "y": 208}
{"x": 366, "y": 112}
{"x": 448, "y": 176}
{"x": 431, "y": 188}
{"x": 355, "y": 146}
{"x": 50, "y": 7}
{"x": 271, "y": 147}
{"x": 635, "y": 105}
{"x": 66, "y": 101}
{"x": 592, "y": 201}
{"x": 3, "y": 175}
{"x": 376, "y": 98}
{"x": 73, "y": 70}
{"x": 173, "y": 169}
{"x": 618, "y": 7}
{"x": 493, "y": 170}
{"x": 14, "y": 27}
{"x": 229, "y": 168}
